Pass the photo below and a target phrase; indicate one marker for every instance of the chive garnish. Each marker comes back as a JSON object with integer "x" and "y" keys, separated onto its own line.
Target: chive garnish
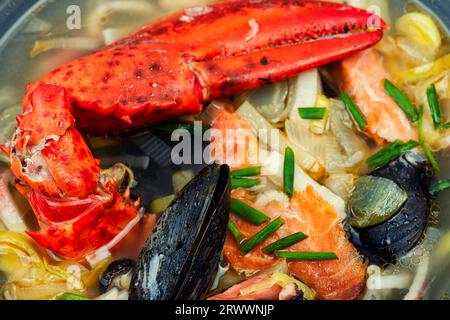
{"x": 247, "y": 172}
{"x": 309, "y": 256}
{"x": 446, "y": 126}
{"x": 390, "y": 152}
{"x": 312, "y": 113}
{"x": 285, "y": 242}
{"x": 420, "y": 125}
{"x": 425, "y": 148}
{"x": 245, "y": 183}
{"x": 261, "y": 236}
{"x": 439, "y": 187}
{"x": 431, "y": 158}
{"x": 289, "y": 171}
{"x": 237, "y": 235}
{"x": 72, "y": 296}
{"x": 354, "y": 111}
{"x": 402, "y": 100}
{"x": 433, "y": 102}
{"x": 248, "y": 213}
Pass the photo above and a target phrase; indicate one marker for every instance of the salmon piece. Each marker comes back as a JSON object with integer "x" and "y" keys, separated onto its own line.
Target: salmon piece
{"x": 362, "y": 76}
{"x": 307, "y": 212}
{"x": 232, "y": 140}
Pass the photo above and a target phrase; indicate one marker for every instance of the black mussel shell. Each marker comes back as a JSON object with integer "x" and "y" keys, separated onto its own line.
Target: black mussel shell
{"x": 114, "y": 270}
{"x": 183, "y": 253}
{"x": 392, "y": 239}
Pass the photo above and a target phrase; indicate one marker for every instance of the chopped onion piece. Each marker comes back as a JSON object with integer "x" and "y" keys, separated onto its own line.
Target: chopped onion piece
{"x": 420, "y": 28}
{"x": 75, "y": 43}
{"x": 303, "y": 92}
{"x": 277, "y": 141}
{"x": 98, "y": 20}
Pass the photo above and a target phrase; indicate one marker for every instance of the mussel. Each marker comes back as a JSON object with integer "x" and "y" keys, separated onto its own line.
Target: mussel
{"x": 393, "y": 238}
{"x": 181, "y": 257}
{"x": 116, "y": 273}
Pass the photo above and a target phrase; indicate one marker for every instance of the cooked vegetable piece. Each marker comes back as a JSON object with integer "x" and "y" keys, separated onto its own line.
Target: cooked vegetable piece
{"x": 72, "y": 296}
{"x": 237, "y": 183}
{"x": 446, "y": 126}
{"x": 433, "y": 102}
{"x": 420, "y": 126}
{"x": 439, "y": 187}
{"x": 248, "y": 213}
{"x": 431, "y": 158}
{"x": 277, "y": 141}
{"x": 181, "y": 178}
{"x": 285, "y": 242}
{"x": 390, "y": 152}
{"x": 261, "y": 236}
{"x": 270, "y": 100}
{"x": 237, "y": 235}
{"x": 312, "y": 113}
{"x": 427, "y": 70}
{"x": 354, "y": 111}
{"x": 161, "y": 204}
{"x": 307, "y": 256}
{"x": 289, "y": 172}
{"x": 402, "y": 100}
{"x": 247, "y": 172}
{"x": 420, "y": 28}
{"x": 425, "y": 147}
{"x": 320, "y": 126}
{"x": 374, "y": 201}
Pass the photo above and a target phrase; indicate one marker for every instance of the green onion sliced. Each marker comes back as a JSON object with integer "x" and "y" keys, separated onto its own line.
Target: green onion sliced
{"x": 285, "y": 242}
{"x": 425, "y": 148}
{"x": 312, "y": 113}
{"x": 390, "y": 152}
{"x": 402, "y": 100}
{"x": 439, "y": 187}
{"x": 433, "y": 102}
{"x": 261, "y": 236}
{"x": 308, "y": 256}
{"x": 354, "y": 111}
{"x": 72, "y": 296}
{"x": 248, "y": 172}
{"x": 446, "y": 126}
{"x": 289, "y": 172}
{"x": 237, "y": 235}
{"x": 420, "y": 126}
{"x": 248, "y": 213}
{"x": 245, "y": 183}
{"x": 431, "y": 158}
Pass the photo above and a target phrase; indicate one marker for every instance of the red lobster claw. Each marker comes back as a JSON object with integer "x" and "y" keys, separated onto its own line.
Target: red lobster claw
{"x": 79, "y": 209}
{"x": 167, "y": 69}
{"x": 174, "y": 65}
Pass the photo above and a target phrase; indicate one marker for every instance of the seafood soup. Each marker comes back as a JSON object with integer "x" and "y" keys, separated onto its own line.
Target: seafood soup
{"x": 232, "y": 150}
